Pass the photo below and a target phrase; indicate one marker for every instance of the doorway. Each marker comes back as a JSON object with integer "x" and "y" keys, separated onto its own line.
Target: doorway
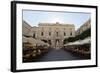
{"x": 57, "y": 44}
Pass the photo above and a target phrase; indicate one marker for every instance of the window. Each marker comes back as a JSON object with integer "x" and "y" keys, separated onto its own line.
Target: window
{"x": 64, "y": 34}
{"x": 33, "y": 35}
{"x": 70, "y": 33}
{"x": 57, "y": 33}
{"x": 49, "y": 41}
{"x": 49, "y": 33}
{"x": 42, "y": 34}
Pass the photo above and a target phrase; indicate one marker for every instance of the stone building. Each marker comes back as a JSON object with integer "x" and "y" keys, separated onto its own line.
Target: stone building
{"x": 26, "y": 28}
{"x": 84, "y": 27}
{"x": 53, "y": 33}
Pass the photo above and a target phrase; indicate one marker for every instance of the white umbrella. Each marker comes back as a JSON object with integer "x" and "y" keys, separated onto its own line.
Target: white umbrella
{"x": 30, "y": 40}
{"x": 70, "y": 43}
{"x": 39, "y": 42}
{"x": 77, "y": 43}
{"x": 24, "y": 39}
{"x": 87, "y": 40}
{"x": 34, "y": 41}
{"x": 73, "y": 43}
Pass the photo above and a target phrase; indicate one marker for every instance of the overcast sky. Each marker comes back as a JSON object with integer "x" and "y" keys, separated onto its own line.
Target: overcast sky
{"x": 36, "y": 17}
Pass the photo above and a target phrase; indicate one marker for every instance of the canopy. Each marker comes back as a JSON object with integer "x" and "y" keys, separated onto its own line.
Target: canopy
{"x": 77, "y": 43}
{"x": 86, "y": 41}
{"x": 39, "y": 42}
{"x": 73, "y": 43}
{"x": 34, "y": 41}
{"x": 24, "y": 39}
{"x": 70, "y": 43}
{"x": 80, "y": 42}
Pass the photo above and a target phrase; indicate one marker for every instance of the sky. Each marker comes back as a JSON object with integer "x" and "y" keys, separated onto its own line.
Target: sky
{"x": 33, "y": 18}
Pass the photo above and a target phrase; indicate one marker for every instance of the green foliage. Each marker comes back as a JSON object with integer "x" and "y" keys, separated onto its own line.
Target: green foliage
{"x": 82, "y": 36}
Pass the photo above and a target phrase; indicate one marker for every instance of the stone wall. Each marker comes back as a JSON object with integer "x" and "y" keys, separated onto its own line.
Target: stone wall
{"x": 84, "y": 27}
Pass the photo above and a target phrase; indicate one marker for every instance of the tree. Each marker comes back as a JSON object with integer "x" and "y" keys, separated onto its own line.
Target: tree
{"x": 82, "y": 36}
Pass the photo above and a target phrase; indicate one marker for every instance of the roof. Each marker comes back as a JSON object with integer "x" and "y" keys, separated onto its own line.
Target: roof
{"x": 55, "y": 24}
